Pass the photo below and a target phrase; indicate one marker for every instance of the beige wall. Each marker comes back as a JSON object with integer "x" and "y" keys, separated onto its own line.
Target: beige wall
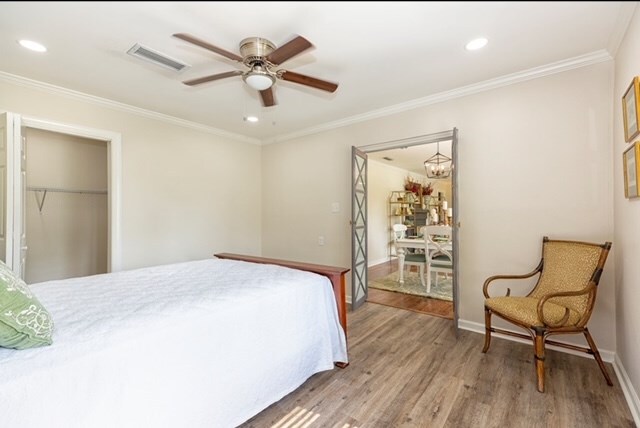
{"x": 383, "y": 179}
{"x": 186, "y": 193}
{"x": 627, "y": 217}
{"x": 68, "y": 238}
{"x": 534, "y": 159}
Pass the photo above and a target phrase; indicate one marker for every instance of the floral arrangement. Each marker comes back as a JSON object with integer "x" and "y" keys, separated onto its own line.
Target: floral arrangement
{"x": 420, "y": 189}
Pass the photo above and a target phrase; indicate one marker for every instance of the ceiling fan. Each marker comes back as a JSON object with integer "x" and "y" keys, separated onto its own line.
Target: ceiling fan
{"x": 261, "y": 57}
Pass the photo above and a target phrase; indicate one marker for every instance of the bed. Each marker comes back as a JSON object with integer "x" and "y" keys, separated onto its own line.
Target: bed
{"x": 207, "y": 343}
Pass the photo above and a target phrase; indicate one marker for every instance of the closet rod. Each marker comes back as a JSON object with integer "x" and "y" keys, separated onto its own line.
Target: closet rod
{"x": 53, "y": 189}
{"x": 46, "y": 190}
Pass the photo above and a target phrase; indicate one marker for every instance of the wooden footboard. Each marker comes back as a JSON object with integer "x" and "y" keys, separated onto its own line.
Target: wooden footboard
{"x": 335, "y": 274}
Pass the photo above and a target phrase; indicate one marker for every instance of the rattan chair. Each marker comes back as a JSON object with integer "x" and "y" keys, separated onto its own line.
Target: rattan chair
{"x": 561, "y": 302}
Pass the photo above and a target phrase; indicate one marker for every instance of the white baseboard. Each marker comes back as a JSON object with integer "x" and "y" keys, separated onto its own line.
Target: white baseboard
{"x": 629, "y": 391}
{"x": 476, "y": 327}
{"x": 377, "y": 262}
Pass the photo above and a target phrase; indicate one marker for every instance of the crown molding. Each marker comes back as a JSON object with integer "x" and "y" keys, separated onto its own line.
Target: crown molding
{"x": 509, "y": 79}
{"x": 115, "y": 105}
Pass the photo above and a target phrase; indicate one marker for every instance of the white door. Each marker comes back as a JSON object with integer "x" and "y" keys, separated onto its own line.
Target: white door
{"x": 12, "y": 185}
{"x": 20, "y": 205}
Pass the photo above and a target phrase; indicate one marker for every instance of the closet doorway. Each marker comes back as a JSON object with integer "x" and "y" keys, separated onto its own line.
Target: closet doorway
{"x": 53, "y": 196}
{"x": 66, "y": 217}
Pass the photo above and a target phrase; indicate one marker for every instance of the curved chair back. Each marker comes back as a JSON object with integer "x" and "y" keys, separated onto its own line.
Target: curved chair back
{"x": 437, "y": 240}
{"x": 569, "y": 266}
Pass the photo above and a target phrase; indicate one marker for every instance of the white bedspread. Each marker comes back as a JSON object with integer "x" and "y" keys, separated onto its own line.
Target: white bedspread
{"x": 198, "y": 344}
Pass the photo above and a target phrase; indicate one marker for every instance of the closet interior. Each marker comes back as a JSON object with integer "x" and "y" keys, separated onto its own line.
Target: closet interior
{"x": 66, "y": 206}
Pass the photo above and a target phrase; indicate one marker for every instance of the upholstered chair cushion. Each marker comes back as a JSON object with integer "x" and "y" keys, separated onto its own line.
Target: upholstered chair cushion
{"x": 525, "y": 310}
{"x": 417, "y": 258}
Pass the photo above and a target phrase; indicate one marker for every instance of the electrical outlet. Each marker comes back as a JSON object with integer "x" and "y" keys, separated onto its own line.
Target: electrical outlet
{"x": 335, "y": 207}
{"x": 320, "y": 240}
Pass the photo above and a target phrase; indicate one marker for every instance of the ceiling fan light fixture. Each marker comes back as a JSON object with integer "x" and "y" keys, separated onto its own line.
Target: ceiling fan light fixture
{"x": 261, "y": 57}
{"x": 259, "y": 79}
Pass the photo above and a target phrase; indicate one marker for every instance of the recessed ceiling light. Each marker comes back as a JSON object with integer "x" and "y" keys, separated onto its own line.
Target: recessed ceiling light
{"x": 476, "y": 44}
{"x": 251, "y": 119}
{"x": 31, "y": 45}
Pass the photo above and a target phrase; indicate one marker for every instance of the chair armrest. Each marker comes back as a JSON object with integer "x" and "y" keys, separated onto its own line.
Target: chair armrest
{"x": 485, "y": 287}
{"x": 590, "y": 288}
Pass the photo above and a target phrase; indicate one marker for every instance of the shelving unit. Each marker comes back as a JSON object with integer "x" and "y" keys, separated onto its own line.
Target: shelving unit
{"x": 402, "y": 209}
{"x": 405, "y": 207}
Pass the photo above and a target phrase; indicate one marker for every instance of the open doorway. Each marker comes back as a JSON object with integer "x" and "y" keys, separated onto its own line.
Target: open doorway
{"x": 364, "y": 239}
{"x": 404, "y": 198}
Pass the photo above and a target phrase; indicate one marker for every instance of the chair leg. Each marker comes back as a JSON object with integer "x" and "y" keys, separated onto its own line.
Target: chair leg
{"x": 596, "y": 355}
{"x": 539, "y": 357}
{"x": 428, "y": 278}
{"x": 487, "y": 329}
{"x": 422, "y": 275}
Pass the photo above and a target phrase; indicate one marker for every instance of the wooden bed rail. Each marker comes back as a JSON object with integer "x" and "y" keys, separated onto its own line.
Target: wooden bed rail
{"x": 335, "y": 274}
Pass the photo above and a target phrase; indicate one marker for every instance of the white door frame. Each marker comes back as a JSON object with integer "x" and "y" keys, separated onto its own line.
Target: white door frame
{"x": 114, "y": 168}
{"x": 451, "y": 135}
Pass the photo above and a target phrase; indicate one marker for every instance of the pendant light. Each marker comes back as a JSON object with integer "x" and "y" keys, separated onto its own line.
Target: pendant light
{"x": 438, "y": 165}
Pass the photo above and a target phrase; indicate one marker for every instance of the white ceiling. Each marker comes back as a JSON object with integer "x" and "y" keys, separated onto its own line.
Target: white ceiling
{"x": 381, "y": 53}
{"x": 411, "y": 158}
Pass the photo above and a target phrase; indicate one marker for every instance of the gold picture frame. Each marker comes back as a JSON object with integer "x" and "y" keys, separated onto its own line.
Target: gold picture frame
{"x": 631, "y": 167}
{"x": 631, "y": 110}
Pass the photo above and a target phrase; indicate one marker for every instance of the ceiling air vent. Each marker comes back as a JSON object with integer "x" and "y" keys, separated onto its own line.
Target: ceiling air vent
{"x": 387, "y": 158}
{"x": 156, "y": 57}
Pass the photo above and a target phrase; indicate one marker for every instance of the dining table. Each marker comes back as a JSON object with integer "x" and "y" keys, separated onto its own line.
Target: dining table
{"x": 402, "y": 244}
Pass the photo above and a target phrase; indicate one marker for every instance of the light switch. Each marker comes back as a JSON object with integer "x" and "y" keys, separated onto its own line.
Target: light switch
{"x": 320, "y": 240}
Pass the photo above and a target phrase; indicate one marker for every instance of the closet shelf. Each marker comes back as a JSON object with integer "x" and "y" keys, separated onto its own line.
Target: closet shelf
{"x": 45, "y": 190}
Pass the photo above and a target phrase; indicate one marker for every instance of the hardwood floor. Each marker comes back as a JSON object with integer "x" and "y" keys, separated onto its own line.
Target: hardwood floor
{"x": 408, "y": 370}
{"x": 421, "y": 304}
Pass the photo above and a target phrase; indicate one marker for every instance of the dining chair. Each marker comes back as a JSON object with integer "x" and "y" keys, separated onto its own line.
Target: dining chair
{"x": 439, "y": 251}
{"x": 561, "y": 301}
{"x": 410, "y": 259}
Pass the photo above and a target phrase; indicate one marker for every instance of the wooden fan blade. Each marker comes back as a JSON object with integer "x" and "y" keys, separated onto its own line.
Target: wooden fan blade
{"x": 309, "y": 81}
{"x": 267, "y": 97}
{"x": 212, "y": 77}
{"x": 289, "y": 50}
{"x": 189, "y": 38}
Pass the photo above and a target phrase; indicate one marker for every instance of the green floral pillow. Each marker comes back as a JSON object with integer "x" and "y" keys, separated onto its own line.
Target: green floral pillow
{"x": 24, "y": 323}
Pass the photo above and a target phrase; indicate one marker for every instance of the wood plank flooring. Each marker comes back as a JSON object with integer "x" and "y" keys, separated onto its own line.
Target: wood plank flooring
{"x": 410, "y": 302}
{"x": 408, "y": 370}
